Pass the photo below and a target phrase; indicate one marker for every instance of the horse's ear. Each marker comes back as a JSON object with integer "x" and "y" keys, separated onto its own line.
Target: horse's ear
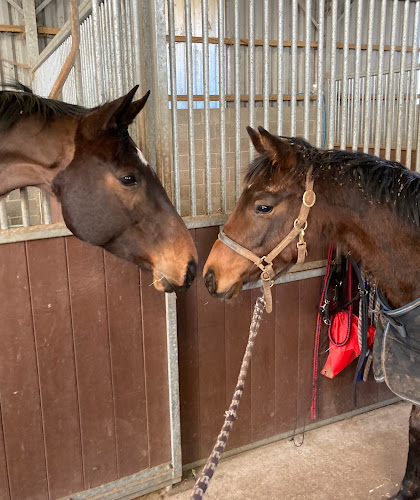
{"x": 256, "y": 139}
{"x": 112, "y": 115}
{"x": 279, "y": 150}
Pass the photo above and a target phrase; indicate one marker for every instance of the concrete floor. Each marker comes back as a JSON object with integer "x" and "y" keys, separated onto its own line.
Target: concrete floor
{"x": 360, "y": 458}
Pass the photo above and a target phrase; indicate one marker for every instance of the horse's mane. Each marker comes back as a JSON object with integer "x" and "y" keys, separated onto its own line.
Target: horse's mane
{"x": 380, "y": 180}
{"x": 20, "y": 101}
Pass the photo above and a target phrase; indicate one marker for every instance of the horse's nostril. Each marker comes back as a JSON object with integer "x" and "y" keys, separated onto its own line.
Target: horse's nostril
{"x": 210, "y": 281}
{"x": 190, "y": 273}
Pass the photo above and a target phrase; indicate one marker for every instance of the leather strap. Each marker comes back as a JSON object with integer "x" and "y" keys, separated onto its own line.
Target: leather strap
{"x": 265, "y": 263}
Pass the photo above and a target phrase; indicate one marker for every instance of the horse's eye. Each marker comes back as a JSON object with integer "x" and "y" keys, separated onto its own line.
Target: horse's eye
{"x": 263, "y": 209}
{"x": 128, "y": 180}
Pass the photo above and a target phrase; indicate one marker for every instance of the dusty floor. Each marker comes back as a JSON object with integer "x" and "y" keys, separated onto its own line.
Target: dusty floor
{"x": 361, "y": 458}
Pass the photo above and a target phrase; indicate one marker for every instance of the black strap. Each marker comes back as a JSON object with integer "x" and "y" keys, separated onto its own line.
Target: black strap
{"x": 364, "y": 297}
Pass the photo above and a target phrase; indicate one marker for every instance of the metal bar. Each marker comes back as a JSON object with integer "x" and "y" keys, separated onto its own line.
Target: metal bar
{"x": 251, "y": 49}
{"x": 174, "y": 111}
{"x": 116, "y": 23}
{"x": 206, "y": 79}
{"x": 97, "y": 28}
{"x": 3, "y": 214}
{"x": 137, "y": 41}
{"x": 46, "y": 208}
{"x": 173, "y": 382}
{"x": 110, "y": 36}
{"x": 379, "y": 90}
{"x": 222, "y": 92}
{"x": 402, "y": 79}
{"x": 280, "y": 68}
{"x": 190, "y": 91}
{"x": 294, "y": 67}
{"x": 344, "y": 89}
{"x": 320, "y": 105}
{"x": 356, "y": 93}
{"x": 24, "y": 205}
{"x": 391, "y": 96}
{"x": 237, "y": 107}
{"x": 331, "y": 110}
{"x": 266, "y": 78}
{"x": 307, "y": 68}
{"x": 368, "y": 94}
{"x": 412, "y": 103}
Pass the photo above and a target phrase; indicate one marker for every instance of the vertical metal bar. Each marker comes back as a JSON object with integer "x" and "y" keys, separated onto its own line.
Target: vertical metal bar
{"x": 237, "y": 106}
{"x": 368, "y": 95}
{"x": 98, "y": 50}
{"x": 293, "y": 72}
{"x": 251, "y": 48}
{"x": 24, "y": 205}
{"x": 137, "y": 42}
{"x": 412, "y": 91}
{"x": 206, "y": 79}
{"x": 320, "y": 104}
{"x": 356, "y": 93}
{"x": 46, "y": 208}
{"x": 266, "y": 55}
{"x": 174, "y": 105}
{"x": 280, "y": 68}
{"x": 391, "y": 96}
{"x": 112, "y": 56}
{"x": 190, "y": 90}
{"x": 3, "y": 214}
{"x": 307, "y": 69}
{"x": 344, "y": 87}
{"x": 173, "y": 381}
{"x": 222, "y": 105}
{"x": 379, "y": 92}
{"x": 331, "y": 110}
{"x": 402, "y": 79}
{"x": 116, "y": 22}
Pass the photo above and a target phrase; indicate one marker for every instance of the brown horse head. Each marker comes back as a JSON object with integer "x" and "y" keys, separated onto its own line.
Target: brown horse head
{"x": 263, "y": 216}
{"x": 110, "y": 197}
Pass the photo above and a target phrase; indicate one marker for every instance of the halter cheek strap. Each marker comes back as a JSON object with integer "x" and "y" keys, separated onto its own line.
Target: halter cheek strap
{"x": 265, "y": 263}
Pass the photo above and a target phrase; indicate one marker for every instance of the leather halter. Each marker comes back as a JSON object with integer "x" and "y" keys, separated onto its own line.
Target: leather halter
{"x": 265, "y": 263}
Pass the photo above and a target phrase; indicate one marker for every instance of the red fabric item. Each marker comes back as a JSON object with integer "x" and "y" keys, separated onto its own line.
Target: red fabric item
{"x": 341, "y": 356}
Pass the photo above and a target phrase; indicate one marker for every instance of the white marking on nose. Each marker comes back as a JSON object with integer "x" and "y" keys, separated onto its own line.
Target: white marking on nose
{"x": 141, "y": 156}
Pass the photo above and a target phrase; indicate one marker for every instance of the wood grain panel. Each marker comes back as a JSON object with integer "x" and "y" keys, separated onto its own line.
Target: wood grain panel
{"x": 263, "y": 390}
{"x": 126, "y": 344}
{"x": 237, "y": 320}
{"x": 156, "y": 369}
{"x": 91, "y": 343}
{"x": 20, "y": 402}
{"x": 189, "y": 388}
{"x": 54, "y": 342}
{"x": 286, "y": 310}
{"x": 4, "y": 480}
{"x": 211, "y": 351}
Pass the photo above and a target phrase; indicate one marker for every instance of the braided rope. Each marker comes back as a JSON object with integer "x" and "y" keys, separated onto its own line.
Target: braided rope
{"x": 203, "y": 481}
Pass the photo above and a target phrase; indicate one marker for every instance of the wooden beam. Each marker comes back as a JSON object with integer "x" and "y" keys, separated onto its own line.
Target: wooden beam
{"x": 15, "y": 28}
{"x": 286, "y": 43}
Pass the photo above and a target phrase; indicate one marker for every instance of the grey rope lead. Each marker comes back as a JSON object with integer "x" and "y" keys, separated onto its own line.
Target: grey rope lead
{"x": 203, "y": 481}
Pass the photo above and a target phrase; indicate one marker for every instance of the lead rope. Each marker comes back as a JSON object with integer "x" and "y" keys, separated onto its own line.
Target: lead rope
{"x": 203, "y": 481}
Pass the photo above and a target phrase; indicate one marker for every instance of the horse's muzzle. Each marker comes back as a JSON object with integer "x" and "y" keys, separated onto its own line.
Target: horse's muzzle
{"x": 189, "y": 276}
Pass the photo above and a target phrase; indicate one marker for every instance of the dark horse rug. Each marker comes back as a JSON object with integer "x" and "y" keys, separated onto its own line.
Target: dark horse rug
{"x": 396, "y": 350}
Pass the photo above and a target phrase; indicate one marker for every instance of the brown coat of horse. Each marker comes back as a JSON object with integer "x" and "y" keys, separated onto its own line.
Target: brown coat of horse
{"x": 110, "y": 197}
{"x": 367, "y": 205}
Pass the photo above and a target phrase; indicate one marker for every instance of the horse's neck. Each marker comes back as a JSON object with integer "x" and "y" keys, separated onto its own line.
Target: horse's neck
{"x": 387, "y": 247}
{"x": 32, "y": 152}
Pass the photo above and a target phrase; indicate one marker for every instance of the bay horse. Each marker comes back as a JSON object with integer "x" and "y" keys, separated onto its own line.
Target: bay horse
{"x": 367, "y": 205}
{"x": 109, "y": 194}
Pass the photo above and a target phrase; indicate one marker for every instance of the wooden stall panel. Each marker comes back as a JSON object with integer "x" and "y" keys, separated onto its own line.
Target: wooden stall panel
{"x": 20, "y": 401}
{"x": 126, "y": 346}
{"x": 211, "y": 351}
{"x": 93, "y": 368}
{"x": 156, "y": 371}
{"x": 54, "y": 344}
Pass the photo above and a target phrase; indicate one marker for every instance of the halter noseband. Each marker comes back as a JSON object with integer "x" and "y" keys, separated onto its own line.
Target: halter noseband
{"x": 265, "y": 263}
